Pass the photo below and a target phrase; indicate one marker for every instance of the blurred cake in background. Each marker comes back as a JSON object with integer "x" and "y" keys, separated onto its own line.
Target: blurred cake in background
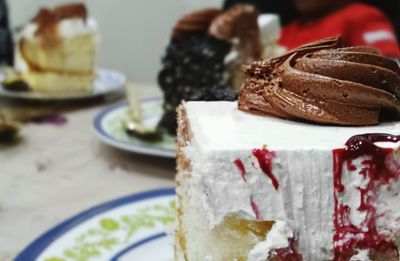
{"x": 270, "y": 32}
{"x": 270, "y": 29}
{"x": 203, "y": 58}
{"x": 55, "y": 52}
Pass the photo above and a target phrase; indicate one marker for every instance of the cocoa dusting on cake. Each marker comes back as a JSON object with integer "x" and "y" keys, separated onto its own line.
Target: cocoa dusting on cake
{"x": 47, "y": 20}
{"x": 379, "y": 168}
{"x": 324, "y": 82}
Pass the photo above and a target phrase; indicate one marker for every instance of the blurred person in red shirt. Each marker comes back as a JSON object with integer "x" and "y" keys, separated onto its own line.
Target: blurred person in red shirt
{"x": 357, "y": 23}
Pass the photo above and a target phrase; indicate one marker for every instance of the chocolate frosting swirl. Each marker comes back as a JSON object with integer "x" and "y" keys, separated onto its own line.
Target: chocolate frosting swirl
{"x": 324, "y": 82}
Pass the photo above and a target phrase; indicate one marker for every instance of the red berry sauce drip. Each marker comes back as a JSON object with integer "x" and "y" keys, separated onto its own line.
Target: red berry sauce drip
{"x": 264, "y": 158}
{"x": 255, "y": 208}
{"x": 347, "y": 236}
{"x": 240, "y": 166}
{"x": 290, "y": 253}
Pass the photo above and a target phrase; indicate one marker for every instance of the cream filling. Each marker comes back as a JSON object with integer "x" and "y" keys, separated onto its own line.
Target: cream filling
{"x": 70, "y": 28}
{"x": 67, "y": 28}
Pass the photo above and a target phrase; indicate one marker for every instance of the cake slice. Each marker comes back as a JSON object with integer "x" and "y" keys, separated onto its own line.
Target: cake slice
{"x": 56, "y": 51}
{"x": 285, "y": 174}
{"x": 206, "y": 50}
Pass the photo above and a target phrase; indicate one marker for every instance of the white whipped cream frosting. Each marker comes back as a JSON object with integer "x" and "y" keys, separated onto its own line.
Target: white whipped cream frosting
{"x": 270, "y": 28}
{"x": 303, "y": 167}
{"x": 70, "y": 28}
{"x": 67, "y": 28}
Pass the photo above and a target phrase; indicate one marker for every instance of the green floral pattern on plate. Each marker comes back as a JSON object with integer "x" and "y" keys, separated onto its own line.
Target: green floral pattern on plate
{"x": 116, "y": 233}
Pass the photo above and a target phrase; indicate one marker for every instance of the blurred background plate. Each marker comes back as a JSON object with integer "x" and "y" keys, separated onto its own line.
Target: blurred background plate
{"x": 109, "y": 127}
{"x": 107, "y": 82}
{"x": 129, "y": 228}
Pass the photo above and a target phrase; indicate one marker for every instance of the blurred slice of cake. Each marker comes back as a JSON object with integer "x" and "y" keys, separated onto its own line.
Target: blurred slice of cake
{"x": 270, "y": 28}
{"x": 55, "y": 52}
{"x": 206, "y": 50}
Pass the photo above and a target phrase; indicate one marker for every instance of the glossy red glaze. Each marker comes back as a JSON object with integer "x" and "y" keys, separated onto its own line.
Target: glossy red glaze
{"x": 255, "y": 209}
{"x": 290, "y": 253}
{"x": 264, "y": 158}
{"x": 240, "y": 166}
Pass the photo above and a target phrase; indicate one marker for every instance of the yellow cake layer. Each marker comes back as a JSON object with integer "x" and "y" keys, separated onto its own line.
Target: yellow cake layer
{"x": 69, "y": 55}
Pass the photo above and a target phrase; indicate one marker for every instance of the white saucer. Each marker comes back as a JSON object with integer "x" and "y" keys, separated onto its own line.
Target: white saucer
{"x": 109, "y": 128}
{"x": 107, "y": 82}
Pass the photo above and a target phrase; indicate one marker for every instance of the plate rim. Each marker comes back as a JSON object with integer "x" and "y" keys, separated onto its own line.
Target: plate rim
{"x": 34, "y": 249}
{"x": 111, "y": 141}
{"x": 138, "y": 244}
{"x": 4, "y": 93}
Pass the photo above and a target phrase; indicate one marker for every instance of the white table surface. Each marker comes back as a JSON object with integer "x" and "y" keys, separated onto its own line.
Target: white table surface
{"x": 57, "y": 171}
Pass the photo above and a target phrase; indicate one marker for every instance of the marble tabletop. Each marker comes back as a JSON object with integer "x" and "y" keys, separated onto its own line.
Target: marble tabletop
{"x": 55, "y": 172}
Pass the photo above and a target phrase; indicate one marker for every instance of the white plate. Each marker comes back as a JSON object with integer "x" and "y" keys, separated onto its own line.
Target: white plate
{"x": 106, "y": 82}
{"x": 108, "y": 126}
{"x": 126, "y": 229}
